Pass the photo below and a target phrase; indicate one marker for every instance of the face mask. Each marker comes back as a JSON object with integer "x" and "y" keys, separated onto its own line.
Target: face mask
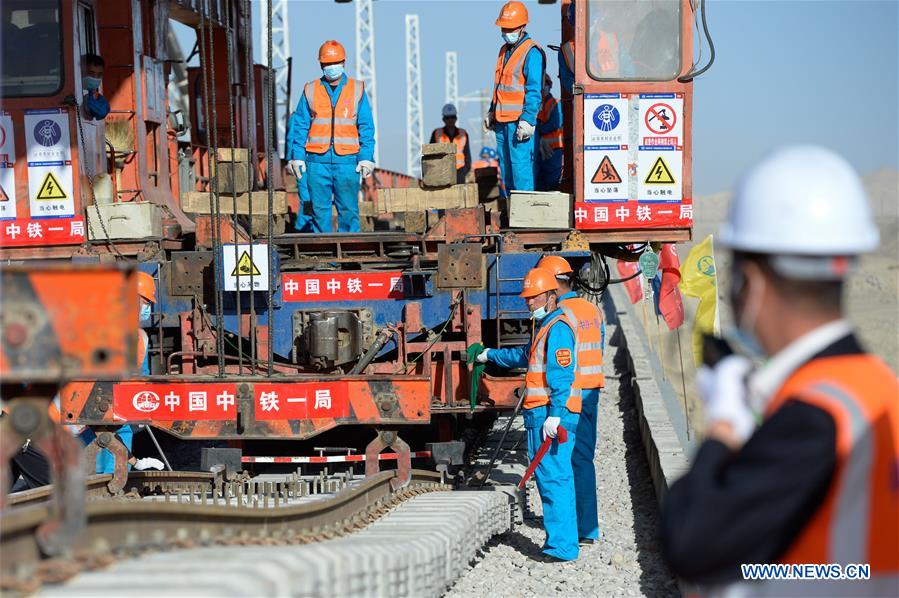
{"x": 539, "y": 313}
{"x": 333, "y": 72}
{"x": 743, "y": 333}
{"x": 91, "y": 83}
{"x": 511, "y": 38}
{"x": 145, "y": 313}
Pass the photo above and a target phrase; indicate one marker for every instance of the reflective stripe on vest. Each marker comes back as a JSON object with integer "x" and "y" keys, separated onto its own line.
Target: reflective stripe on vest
{"x": 459, "y": 141}
{"x": 554, "y": 137}
{"x": 509, "y": 82}
{"x": 537, "y": 392}
{"x": 568, "y": 55}
{"x": 587, "y": 322}
{"x": 335, "y": 126}
{"x": 142, "y": 346}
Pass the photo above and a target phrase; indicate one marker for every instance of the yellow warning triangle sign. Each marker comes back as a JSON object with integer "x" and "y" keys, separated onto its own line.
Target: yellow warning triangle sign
{"x": 606, "y": 172}
{"x": 659, "y": 174}
{"x": 51, "y": 189}
{"x": 245, "y": 266}
{"x": 3, "y": 195}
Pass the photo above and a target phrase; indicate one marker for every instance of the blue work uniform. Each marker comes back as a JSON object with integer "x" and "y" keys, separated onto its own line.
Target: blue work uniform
{"x": 549, "y": 171}
{"x": 304, "y": 221}
{"x": 329, "y": 174}
{"x": 583, "y": 454}
{"x": 516, "y": 158}
{"x": 554, "y": 475}
{"x": 97, "y": 108}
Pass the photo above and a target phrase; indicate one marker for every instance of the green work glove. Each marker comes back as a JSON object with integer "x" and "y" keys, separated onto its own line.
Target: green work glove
{"x": 477, "y": 371}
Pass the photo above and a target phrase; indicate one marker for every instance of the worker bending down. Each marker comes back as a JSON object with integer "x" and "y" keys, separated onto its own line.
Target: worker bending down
{"x": 518, "y": 83}
{"x": 549, "y": 131}
{"x": 589, "y": 338}
{"x": 332, "y": 141}
{"x": 551, "y": 400}
{"x": 800, "y": 462}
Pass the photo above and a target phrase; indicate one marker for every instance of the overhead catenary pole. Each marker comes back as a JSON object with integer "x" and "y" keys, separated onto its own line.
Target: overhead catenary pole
{"x": 452, "y": 77}
{"x": 365, "y": 59}
{"x": 414, "y": 130}
{"x": 280, "y": 62}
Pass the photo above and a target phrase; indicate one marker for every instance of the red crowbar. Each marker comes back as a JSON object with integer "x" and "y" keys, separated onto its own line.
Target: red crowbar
{"x": 562, "y": 437}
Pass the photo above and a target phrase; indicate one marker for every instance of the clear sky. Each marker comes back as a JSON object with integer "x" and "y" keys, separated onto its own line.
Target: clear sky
{"x": 786, "y": 71}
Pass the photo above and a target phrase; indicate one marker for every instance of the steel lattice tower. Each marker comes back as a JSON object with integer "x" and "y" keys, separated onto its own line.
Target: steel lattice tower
{"x": 452, "y": 77}
{"x": 365, "y": 59}
{"x": 414, "y": 132}
{"x": 281, "y": 66}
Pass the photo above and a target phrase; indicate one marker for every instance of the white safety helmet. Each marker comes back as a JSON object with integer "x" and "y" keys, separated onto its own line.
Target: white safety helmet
{"x": 804, "y": 205}
{"x": 449, "y": 110}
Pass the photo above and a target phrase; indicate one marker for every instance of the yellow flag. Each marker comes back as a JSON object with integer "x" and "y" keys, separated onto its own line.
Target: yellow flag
{"x": 699, "y": 278}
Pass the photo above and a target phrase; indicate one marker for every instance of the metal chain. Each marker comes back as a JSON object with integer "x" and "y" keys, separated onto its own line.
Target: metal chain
{"x": 90, "y": 180}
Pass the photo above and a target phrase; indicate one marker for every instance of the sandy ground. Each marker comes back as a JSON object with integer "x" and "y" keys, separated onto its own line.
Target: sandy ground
{"x": 872, "y": 300}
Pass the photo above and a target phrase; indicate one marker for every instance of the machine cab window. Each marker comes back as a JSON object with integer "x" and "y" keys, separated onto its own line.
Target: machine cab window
{"x": 31, "y": 48}
{"x": 634, "y": 40}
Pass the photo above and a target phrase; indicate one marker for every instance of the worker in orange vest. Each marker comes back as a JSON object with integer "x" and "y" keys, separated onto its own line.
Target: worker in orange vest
{"x": 332, "y": 134}
{"x": 800, "y": 462}
{"x": 589, "y": 340}
{"x": 518, "y": 81}
{"x": 549, "y": 131}
{"x": 552, "y": 399}
{"x": 450, "y": 133}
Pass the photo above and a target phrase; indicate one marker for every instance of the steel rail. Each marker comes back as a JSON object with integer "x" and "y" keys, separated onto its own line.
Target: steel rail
{"x": 116, "y": 527}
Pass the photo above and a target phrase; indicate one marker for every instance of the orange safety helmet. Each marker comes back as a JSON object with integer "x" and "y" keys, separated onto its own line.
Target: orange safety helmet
{"x": 512, "y": 16}
{"x": 146, "y": 286}
{"x": 331, "y": 52}
{"x": 556, "y": 264}
{"x": 537, "y": 282}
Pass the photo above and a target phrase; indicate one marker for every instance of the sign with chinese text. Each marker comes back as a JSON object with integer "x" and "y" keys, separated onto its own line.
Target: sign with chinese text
{"x": 25, "y": 233}
{"x": 661, "y": 120}
{"x": 301, "y": 400}
{"x": 137, "y": 401}
{"x": 633, "y": 215}
{"x": 246, "y": 267}
{"x": 7, "y": 168}
{"x": 51, "y": 191}
{"x": 342, "y": 286}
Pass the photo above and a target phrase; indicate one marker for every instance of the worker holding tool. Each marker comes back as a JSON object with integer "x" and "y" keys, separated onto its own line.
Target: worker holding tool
{"x": 332, "y": 135}
{"x": 549, "y": 131}
{"x": 551, "y": 400}
{"x": 518, "y": 82}
{"x": 799, "y": 463}
{"x": 450, "y": 133}
{"x": 588, "y": 378}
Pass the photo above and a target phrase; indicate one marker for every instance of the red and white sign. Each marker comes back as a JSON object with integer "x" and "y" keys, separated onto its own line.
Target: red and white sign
{"x": 633, "y": 215}
{"x": 332, "y": 458}
{"x": 302, "y": 400}
{"x": 661, "y": 122}
{"x": 136, "y": 401}
{"x": 23, "y": 232}
{"x": 342, "y": 286}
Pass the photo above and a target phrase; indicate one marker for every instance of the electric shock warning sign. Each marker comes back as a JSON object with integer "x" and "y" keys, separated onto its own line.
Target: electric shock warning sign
{"x": 659, "y": 174}
{"x": 607, "y": 132}
{"x": 50, "y": 185}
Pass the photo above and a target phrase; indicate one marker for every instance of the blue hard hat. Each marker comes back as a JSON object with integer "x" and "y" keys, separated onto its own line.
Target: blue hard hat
{"x": 449, "y": 110}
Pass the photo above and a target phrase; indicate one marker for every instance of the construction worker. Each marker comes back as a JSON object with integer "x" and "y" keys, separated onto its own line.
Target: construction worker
{"x": 332, "y": 134}
{"x": 801, "y": 455}
{"x": 588, "y": 378}
{"x": 449, "y": 133}
{"x": 549, "y": 131}
{"x": 486, "y": 159}
{"x": 551, "y": 400}
{"x": 518, "y": 82}
{"x": 96, "y": 107}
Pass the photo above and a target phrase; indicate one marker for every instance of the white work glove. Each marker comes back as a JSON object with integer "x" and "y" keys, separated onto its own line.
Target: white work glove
{"x": 366, "y": 167}
{"x": 148, "y": 463}
{"x": 551, "y": 427}
{"x": 489, "y": 121}
{"x": 546, "y": 152}
{"x": 723, "y": 392}
{"x": 297, "y": 168}
{"x": 524, "y": 131}
{"x": 482, "y": 356}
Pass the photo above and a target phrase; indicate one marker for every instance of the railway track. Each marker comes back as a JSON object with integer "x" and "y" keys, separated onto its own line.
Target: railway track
{"x": 188, "y": 510}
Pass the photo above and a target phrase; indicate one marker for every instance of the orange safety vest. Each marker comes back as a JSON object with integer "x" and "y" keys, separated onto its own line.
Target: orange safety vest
{"x": 460, "y": 140}
{"x": 587, "y": 320}
{"x": 536, "y": 388}
{"x": 555, "y": 136}
{"x": 335, "y": 126}
{"x": 607, "y": 55}
{"x": 142, "y": 346}
{"x": 568, "y": 54}
{"x": 859, "y": 518}
{"x": 509, "y": 81}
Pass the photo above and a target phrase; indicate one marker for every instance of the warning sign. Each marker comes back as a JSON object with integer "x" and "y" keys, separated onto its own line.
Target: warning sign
{"x": 606, "y": 172}
{"x": 661, "y": 120}
{"x": 7, "y": 170}
{"x": 7, "y": 141}
{"x": 3, "y": 195}
{"x": 245, "y": 267}
{"x": 50, "y": 189}
{"x": 606, "y": 119}
{"x": 659, "y": 174}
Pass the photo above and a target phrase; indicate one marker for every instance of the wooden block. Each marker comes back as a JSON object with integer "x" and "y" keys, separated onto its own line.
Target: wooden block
{"x": 231, "y": 177}
{"x": 415, "y": 222}
{"x": 197, "y": 202}
{"x": 438, "y": 149}
{"x": 535, "y": 209}
{"x": 232, "y": 154}
{"x": 414, "y": 199}
{"x": 438, "y": 165}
